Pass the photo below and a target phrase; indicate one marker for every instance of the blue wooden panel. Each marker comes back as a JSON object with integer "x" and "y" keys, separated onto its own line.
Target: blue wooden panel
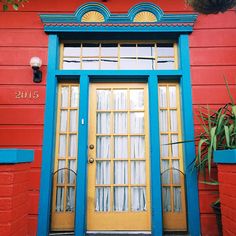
{"x": 156, "y": 196}
{"x": 81, "y": 183}
{"x": 14, "y": 156}
{"x": 48, "y": 138}
{"x": 193, "y": 213}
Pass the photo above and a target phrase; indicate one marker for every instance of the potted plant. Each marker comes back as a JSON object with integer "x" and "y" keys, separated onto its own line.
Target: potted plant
{"x": 218, "y": 133}
{"x": 211, "y": 6}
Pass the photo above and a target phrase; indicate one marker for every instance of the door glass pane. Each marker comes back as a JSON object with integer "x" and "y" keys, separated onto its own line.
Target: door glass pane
{"x": 62, "y": 145}
{"x": 176, "y": 172}
{"x": 60, "y": 199}
{"x": 128, "y": 56}
{"x": 165, "y": 63}
{"x": 120, "y": 123}
{"x": 172, "y": 96}
{"x": 177, "y": 199}
{"x": 174, "y": 147}
{"x": 120, "y": 199}
{"x": 73, "y": 145}
{"x": 71, "y": 171}
{"x": 120, "y": 99}
{"x": 165, "y": 50}
{"x": 173, "y": 121}
{"x": 163, "y": 121}
{"x": 138, "y": 199}
{"x": 165, "y": 172}
{"x": 120, "y": 172}
{"x": 63, "y": 121}
{"x": 103, "y": 172}
{"x": 166, "y": 199}
{"x": 162, "y": 97}
{"x": 90, "y": 63}
{"x": 73, "y": 121}
{"x": 136, "y": 99}
{"x": 102, "y": 199}
{"x": 70, "y": 199}
{"x": 103, "y": 99}
{"x": 164, "y": 146}
{"x": 137, "y": 147}
{"x": 120, "y": 147}
{"x": 138, "y": 172}
{"x": 61, "y": 172}
{"x": 103, "y": 147}
{"x": 74, "y": 100}
{"x": 64, "y": 96}
{"x": 103, "y": 123}
{"x": 137, "y": 122}
{"x": 71, "y": 63}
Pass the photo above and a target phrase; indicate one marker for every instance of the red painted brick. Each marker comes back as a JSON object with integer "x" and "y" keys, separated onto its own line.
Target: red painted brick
{"x": 206, "y": 199}
{"x": 229, "y": 224}
{"x": 227, "y": 168}
{"x": 33, "y": 202}
{"x": 228, "y": 178}
{"x": 6, "y": 178}
{"x": 32, "y": 225}
{"x": 227, "y": 189}
{"x": 228, "y": 200}
{"x": 208, "y": 225}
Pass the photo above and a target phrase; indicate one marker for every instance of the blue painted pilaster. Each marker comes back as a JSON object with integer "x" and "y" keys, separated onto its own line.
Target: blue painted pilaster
{"x": 188, "y": 134}
{"x": 156, "y": 196}
{"x": 48, "y": 138}
{"x": 81, "y": 180}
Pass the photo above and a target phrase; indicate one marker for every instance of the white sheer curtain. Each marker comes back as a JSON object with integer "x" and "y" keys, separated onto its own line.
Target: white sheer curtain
{"x": 121, "y": 168}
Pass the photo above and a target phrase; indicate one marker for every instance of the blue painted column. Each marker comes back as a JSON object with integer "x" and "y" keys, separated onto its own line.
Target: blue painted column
{"x": 188, "y": 134}
{"x": 156, "y": 196}
{"x": 48, "y": 138}
{"x": 81, "y": 181}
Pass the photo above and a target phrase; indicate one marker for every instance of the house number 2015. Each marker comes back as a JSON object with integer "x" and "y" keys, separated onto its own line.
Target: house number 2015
{"x": 27, "y": 94}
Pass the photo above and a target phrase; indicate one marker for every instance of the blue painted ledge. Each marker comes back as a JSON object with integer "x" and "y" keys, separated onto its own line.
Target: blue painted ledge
{"x": 225, "y": 156}
{"x": 14, "y": 156}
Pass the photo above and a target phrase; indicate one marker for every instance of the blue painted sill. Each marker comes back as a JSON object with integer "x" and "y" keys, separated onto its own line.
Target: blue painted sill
{"x": 225, "y": 156}
{"x": 14, "y": 156}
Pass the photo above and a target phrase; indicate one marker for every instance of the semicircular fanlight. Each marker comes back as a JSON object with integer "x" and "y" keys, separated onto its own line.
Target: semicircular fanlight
{"x": 145, "y": 16}
{"x": 93, "y": 16}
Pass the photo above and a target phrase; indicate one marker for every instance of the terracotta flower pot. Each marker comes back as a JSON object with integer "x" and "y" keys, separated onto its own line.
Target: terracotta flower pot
{"x": 211, "y": 6}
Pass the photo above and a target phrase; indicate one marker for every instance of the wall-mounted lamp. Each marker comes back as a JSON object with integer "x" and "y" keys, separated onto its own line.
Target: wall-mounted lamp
{"x": 36, "y": 63}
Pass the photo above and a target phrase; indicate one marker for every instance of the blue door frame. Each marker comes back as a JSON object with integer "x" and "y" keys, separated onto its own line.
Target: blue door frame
{"x": 83, "y": 77}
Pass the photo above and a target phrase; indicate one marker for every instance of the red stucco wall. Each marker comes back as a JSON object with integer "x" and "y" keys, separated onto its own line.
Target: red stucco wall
{"x": 212, "y": 50}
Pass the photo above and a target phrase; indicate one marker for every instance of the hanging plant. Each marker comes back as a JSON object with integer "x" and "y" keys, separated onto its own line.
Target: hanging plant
{"x": 211, "y": 6}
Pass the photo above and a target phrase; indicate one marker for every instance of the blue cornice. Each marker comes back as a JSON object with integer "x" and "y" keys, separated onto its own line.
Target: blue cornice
{"x": 118, "y": 22}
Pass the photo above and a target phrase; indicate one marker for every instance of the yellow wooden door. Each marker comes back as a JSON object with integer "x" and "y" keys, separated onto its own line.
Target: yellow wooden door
{"x": 65, "y": 167}
{"x": 118, "y": 158}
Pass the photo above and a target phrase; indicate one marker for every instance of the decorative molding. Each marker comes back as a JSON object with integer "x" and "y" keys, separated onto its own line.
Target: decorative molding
{"x": 145, "y": 16}
{"x": 95, "y": 17}
{"x": 92, "y": 16}
{"x": 14, "y": 156}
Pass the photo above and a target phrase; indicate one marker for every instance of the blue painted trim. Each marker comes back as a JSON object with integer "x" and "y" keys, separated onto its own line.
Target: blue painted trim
{"x": 81, "y": 183}
{"x": 48, "y": 138}
{"x": 225, "y": 156}
{"x": 156, "y": 194}
{"x": 119, "y": 73}
{"x": 14, "y": 156}
{"x": 188, "y": 134}
{"x": 118, "y": 28}
{"x": 121, "y": 18}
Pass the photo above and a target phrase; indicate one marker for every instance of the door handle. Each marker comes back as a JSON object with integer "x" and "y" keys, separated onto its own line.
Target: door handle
{"x": 91, "y": 160}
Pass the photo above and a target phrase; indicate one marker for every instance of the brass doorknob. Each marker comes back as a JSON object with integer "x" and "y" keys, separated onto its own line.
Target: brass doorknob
{"x": 91, "y": 160}
{"x": 91, "y": 146}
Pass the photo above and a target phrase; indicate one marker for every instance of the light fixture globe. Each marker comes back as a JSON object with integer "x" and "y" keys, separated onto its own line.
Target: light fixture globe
{"x": 35, "y": 62}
